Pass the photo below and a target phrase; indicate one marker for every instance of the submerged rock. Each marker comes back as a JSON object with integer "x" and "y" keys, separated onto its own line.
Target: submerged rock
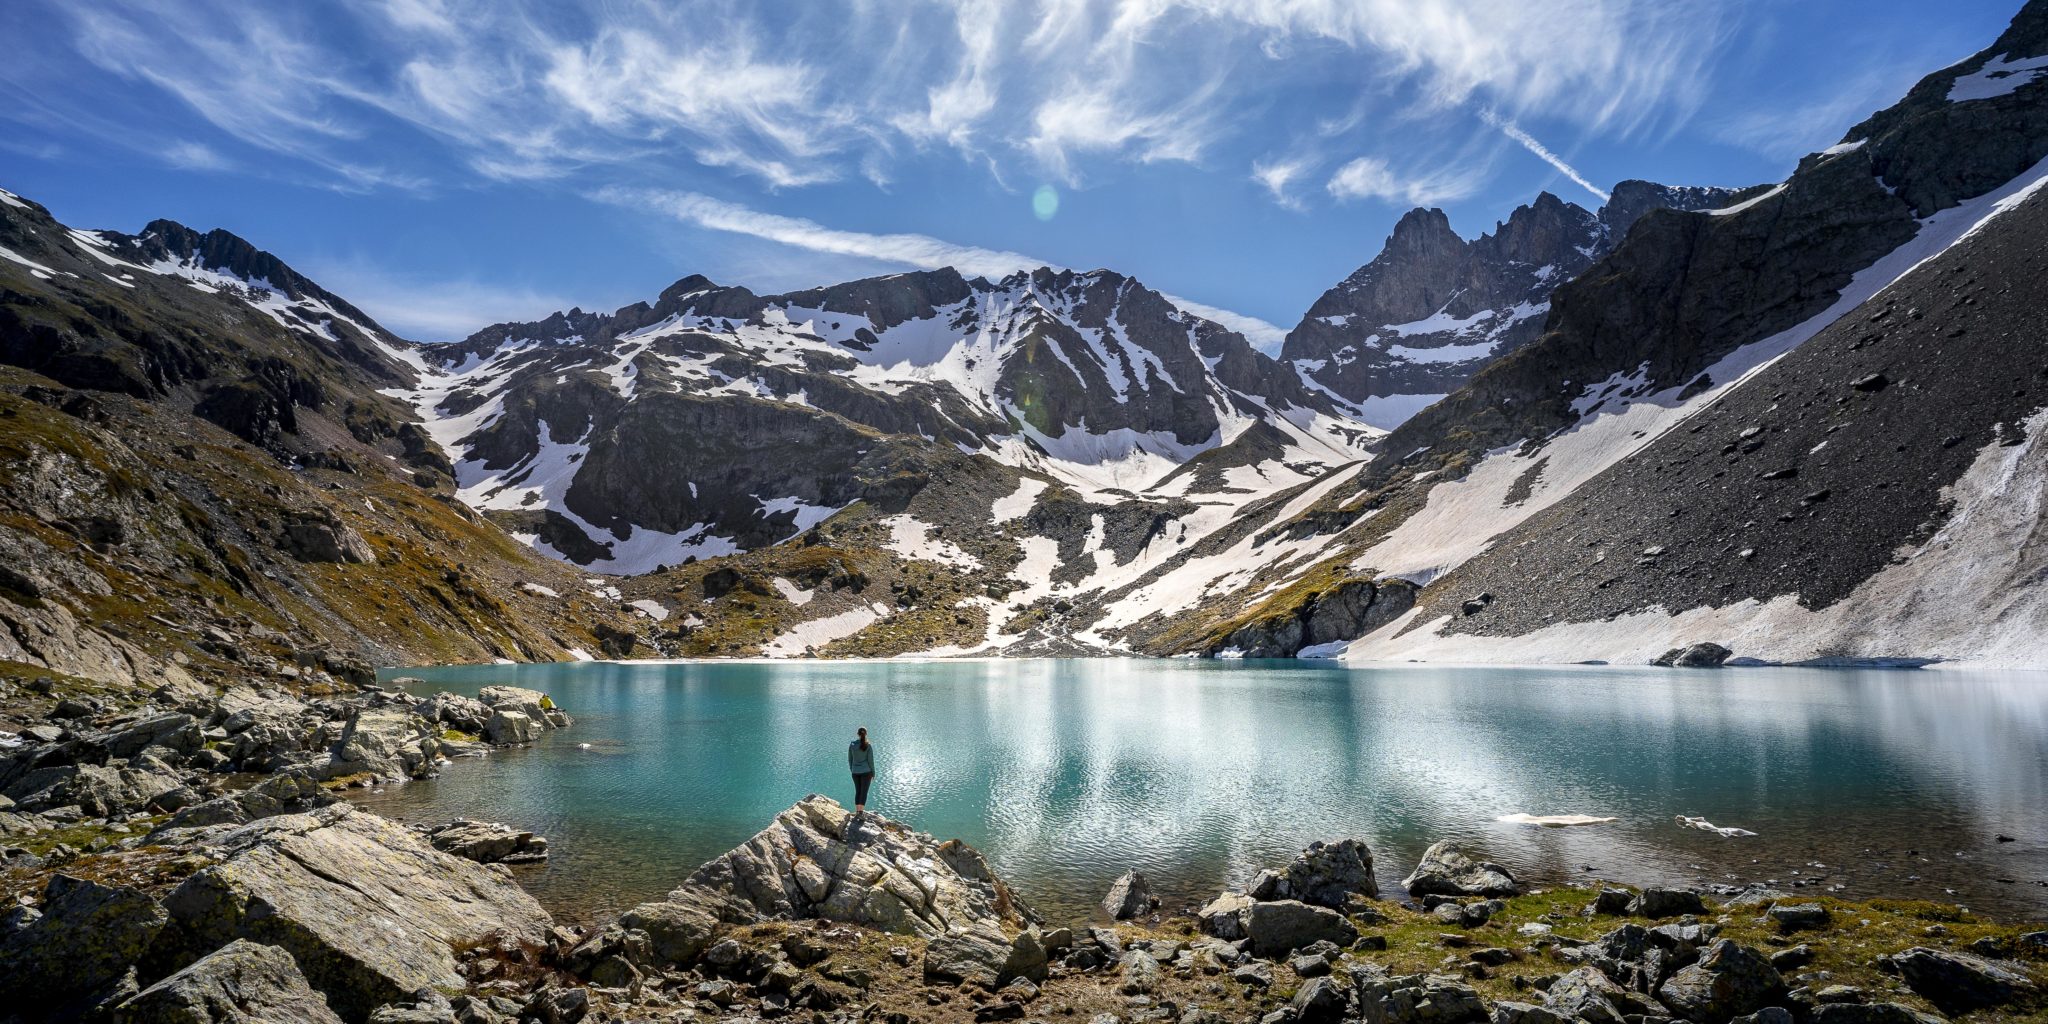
{"x": 1448, "y": 870}
{"x": 487, "y": 842}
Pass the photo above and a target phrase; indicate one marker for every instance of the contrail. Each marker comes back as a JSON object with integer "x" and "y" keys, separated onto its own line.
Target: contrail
{"x": 1514, "y": 131}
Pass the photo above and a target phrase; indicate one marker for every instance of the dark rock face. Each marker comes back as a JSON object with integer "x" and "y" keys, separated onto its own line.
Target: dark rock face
{"x": 78, "y": 952}
{"x": 1432, "y": 308}
{"x": 1959, "y": 982}
{"x": 241, "y": 981}
{"x": 1345, "y": 611}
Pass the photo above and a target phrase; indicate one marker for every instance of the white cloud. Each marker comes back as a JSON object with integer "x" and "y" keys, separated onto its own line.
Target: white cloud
{"x": 1528, "y": 142}
{"x": 195, "y": 156}
{"x": 1369, "y": 177}
{"x": 1264, "y": 336}
{"x": 1275, "y": 175}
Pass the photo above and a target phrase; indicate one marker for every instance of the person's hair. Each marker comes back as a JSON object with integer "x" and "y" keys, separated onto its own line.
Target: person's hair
{"x": 863, "y": 731}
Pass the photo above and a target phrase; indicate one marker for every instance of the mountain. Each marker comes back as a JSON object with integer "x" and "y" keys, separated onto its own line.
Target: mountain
{"x": 715, "y": 421}
{"x": 1432, "y": 308}
{"x": 1799, "y": 426}
{"x": 202, "y": 477}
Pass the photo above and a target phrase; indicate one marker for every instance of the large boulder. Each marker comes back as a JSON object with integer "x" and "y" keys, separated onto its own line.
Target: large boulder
{"x": 1587, "y": 994}
{"x": 1728, "y": 981}
{"x": 1325, "y": 874}
{"x": 1224, "y": 916}
{"x": 1279, "y": 927}
{"x": 510, "y": 727}
{"x": 1447, "y": 869}
{"x": 465, "y": 714}
{"x": 1417, "y": 999}
{"x": 487, "y": 842}
{"x": 968, "y": 955}
{"x": 386, "y": 742}
{"x": 370, "y": 911}
{"x": 813, "y": 862}
{"x": 82, "y": 948}
{"x": 1129, "y": 896}
{"x": 240, "y": 983}
{"x": 1869, "y": 1013}
{"x": 533, "y": 704}
{"x": 1958, "y": 982}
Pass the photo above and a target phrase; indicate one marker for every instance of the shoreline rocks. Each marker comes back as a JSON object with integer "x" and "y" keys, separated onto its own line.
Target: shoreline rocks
{"x": 1447, "y": 869}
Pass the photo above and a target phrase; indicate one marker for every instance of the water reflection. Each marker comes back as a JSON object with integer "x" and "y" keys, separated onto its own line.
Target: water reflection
{"x": 1070, "y": 772}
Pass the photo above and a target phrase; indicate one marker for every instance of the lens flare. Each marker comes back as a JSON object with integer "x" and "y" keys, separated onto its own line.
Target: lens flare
{"x": 1045, "y": 202}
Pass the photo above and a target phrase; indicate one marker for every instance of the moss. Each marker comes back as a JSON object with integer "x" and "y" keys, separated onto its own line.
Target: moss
{"x": 457, "y": 736}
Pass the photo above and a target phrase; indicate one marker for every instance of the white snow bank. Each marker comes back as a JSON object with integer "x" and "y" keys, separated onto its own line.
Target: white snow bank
{"x": 792, "y": 593}
{"x": 1998, "y": 77}
{"x": 535, "y": 588}
{"x": 1019, "y": 502}
{"x": 819, "y": 632}
{"x": 649, "y": 608}
{"x": 911, "y": 537}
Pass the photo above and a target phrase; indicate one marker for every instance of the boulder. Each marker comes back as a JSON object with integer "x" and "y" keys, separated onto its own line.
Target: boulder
{"x": 465, "y": 714}
{"x": 1706, "y": 654}
{"x": 1798, "y": 917}
{"x": 1224, "y": 916}
{"x": 1588, "y": 995}
{"x": 1141, "y": 973}
{"x": 1417, "y": 999}
{"x": 685, "y": 924}
{"x": 1448, "y": 870}
{"x": 369, "y": 910}
{"x": 78, "y": 952}
{"x": 1667, "y": 903}
{"x": 325, "y": 540}
{"x": 507, "y": 727}
{"x": 1279, "y": 927}
{"x": 1324, "y": 874}
{"x": 1321, "y": 1001}
{"x": 237, "y": 983}
{"x": 531, "y": 703}
{"x": 487, "y": 842}
{"x": 1129, "y": 896}
{"x": 813, "y": 862}
{"x": 385, "y": 742}
{"x": 1508, "y": 1012}
{"x": 1869, "y": 1013}
{"x": 1958, "y": 982}
{"x": 969, "y": 956}
{"x": 1728, "y": 981}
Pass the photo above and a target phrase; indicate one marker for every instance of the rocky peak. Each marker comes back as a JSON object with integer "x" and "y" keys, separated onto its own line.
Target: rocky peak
{"x": 1539, "y": 232}
{"x": 1635, "y": 197}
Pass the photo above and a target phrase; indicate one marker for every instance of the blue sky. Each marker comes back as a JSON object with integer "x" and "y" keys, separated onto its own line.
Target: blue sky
{"x": 446, "y": 165}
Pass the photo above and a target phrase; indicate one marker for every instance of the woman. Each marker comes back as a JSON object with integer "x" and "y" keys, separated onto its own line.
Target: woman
{"x": 861, "y": 758}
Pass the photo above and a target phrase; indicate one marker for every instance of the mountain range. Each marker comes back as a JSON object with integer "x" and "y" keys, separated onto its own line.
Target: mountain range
{"x": 1793, "y": 421}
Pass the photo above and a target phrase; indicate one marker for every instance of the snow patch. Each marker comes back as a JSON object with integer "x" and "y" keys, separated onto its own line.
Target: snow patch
{"x": 1998, "y": 77}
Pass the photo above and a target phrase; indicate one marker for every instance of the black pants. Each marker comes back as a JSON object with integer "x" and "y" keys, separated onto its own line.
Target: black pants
{"x": 860, "y": 786}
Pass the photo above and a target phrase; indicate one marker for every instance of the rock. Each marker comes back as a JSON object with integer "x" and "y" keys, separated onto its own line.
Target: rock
{"x": 968, "y": 956}
{"x": 1141, "y": 973}
{"x": 1871, "y": 382}
{"x": 1706, "y": 654}
{"x": 1448, "y": 870}
{"x": 510, "y": 727}
{"x": 240, "y": 982}
{"x": 806, "y": 864}
{"x": 326, "y": 540}
{"x": 533, "y": 704}
{"x": 1258, "y": 973}
{"x": 1279, "y": 927}
{"x": 311, "y": 882}
{"x": 488, "y": 842}
{"x": 1767, "y": 1015}
{"x": 1028, "y": 957}
{"x": 88, "y": 938}
{"x": 1728, "y": 981}
{"x": 1588, "y": 995}
{"x": 1416, "y": 999}
{"x": 1958, "y": 982}
{"x": 1612, "y": 902}
{"x": 1129, "y": 896}
{"x": 386, "y": 742}
{"x": 1506, "y": 1012}
{"x": 1224, "y": 916}
{"x": 558, "y": 1005}
{"x": 681, "y": 927}
{"x": 1798, "y": 917}
{"x": 1869, "y": 1013}
{"x": 1793, "y": 958}
{"x": 465, "y": 714}
{"x": 1321, "y": 1001}
{"x": 1667, "y": 903}
{"x": 1324, "y": 874}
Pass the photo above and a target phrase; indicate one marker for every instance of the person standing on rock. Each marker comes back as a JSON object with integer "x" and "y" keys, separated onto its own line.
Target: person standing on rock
{"x": 861, "y": 758}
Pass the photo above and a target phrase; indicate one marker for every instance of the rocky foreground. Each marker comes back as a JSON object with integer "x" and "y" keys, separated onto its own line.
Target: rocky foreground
{"x": 190, "y": 861}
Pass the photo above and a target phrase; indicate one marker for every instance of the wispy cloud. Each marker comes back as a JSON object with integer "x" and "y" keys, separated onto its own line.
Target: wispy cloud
{"x": 1276, "y": 175}
{"x": 1370, "y": 177}
{"x": 1264, "y": 336}
{"x": 195, "y": 156}
{"x": 1528, "y": 142}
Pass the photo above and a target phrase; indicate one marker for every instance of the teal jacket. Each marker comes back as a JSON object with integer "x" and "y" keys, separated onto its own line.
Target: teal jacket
{"x": 861, "y": 761}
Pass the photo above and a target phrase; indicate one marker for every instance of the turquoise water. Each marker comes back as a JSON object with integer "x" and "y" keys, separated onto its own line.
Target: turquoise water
{"x": 1066, "y": 773}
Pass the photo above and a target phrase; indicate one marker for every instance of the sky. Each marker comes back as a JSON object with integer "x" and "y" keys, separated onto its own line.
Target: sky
{"x": 446, "y": 165}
